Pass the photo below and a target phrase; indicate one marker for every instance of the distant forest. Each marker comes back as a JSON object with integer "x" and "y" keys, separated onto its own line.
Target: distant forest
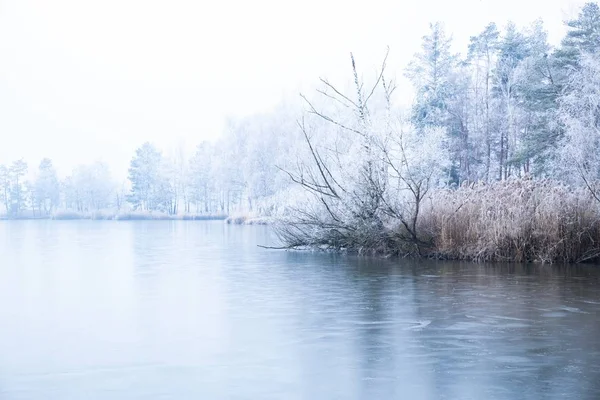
{"x": 511, "y": 113}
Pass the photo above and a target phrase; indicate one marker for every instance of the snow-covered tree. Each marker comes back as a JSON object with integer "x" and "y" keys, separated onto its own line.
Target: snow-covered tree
{"x": 482, "y": 56}
{"x": 441, "y": 100}
{"x": 89, "y": 188}
{"x": 5, "y": 187}
{"x": 513, "y": 50}
{"x": 430, "y": 72}
{"x": 583, "y": 36}
{"x": 147, "y": 186}
{"x": 17, "y": 172}
{"x": 200, "y": 180}
{"x": 536, "y": 94}
{"x": 46, "y": 189}
{"x": 365, "y": 177}
{"x": 580, "y": 114}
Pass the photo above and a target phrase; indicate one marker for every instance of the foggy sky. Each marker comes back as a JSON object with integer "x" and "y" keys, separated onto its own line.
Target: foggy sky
{"x": 91, "y": 80}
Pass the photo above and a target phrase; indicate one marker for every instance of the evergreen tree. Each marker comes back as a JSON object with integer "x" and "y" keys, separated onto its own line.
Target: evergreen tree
{"x": 583, "y": 36}
{"x": 537, "y": 95}
{"x": 430, "y": 73}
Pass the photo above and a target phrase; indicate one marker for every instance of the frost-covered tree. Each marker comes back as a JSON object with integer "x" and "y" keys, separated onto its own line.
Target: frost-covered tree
{"x": 439, "y": 102}
{"x": 580, "y": 114}
{"x": 583, "y": 36}
{"x": 536, "y": 94}
{"x": 227, "y": 169}
{"x": 17, "y": 172}
{"x": 482, "y": 58}
{"x": 365, "y": 178}
{"x": 200, "y": 180}
{"x": 169, "y": 186}
{"x": 147, "y": 186}
{"x": 89, "y": 188}
{"x": 46, "y": 189}
{"x": 121, "y": 194}
{"x": 5, "y": 187}
{"x": 181, "y": 166}
{"x": 260, "y": 163}
{"x": 513, "y": 49}
{"x": 430, "y": 73}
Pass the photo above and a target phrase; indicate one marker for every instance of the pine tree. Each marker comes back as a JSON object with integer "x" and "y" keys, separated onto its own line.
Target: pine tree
{"x": 583, "y": 36}
{"x": 432, "y": 72}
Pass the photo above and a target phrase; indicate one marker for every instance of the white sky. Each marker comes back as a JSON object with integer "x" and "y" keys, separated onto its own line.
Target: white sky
{"x": 86, "y": 80}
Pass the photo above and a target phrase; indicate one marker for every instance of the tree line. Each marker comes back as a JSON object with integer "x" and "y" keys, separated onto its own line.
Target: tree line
{"x": 239, "y": 173}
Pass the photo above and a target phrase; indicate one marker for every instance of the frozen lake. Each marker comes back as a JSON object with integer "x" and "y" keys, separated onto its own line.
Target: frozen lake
{"x": 195, "y": 310}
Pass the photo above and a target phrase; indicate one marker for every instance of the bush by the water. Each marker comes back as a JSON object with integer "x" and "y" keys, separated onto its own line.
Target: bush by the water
{"x": 246, "y": 219}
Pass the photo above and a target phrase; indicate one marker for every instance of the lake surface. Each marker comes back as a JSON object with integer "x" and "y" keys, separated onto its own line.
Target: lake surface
{"x": 195, "y": 310}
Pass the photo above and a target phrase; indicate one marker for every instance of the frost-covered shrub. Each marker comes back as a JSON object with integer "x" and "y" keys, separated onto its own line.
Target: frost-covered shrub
{"x": 365, "y": 172}
{"x": 236, "y": 219}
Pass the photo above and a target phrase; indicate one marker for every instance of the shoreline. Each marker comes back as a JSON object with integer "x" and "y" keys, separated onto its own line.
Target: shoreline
{"x": 103, "y": 216}
{"x": 267, "y": 221}
{"x": 123, "y": 217}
